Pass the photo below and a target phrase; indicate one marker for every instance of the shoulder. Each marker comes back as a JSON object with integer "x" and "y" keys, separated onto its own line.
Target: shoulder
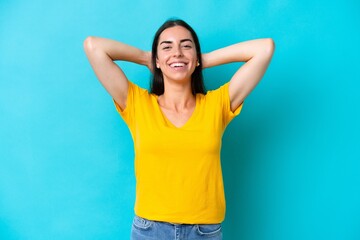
{"x": 136, "y": 89}
{"x": 219, "y": 92}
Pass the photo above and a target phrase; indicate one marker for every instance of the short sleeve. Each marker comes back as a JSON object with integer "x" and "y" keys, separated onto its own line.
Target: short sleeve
{"x": 133, "y": 95}
{"x": 228, "y": 115}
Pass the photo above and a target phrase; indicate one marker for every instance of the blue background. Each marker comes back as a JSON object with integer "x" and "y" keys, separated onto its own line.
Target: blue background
{"x": 290, "y": 160}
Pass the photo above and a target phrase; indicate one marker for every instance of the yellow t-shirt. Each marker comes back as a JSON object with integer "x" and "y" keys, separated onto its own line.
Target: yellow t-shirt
{"x": 178, "y": 170}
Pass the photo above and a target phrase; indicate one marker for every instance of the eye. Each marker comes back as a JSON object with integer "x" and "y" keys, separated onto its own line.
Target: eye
{"x": 187, "y": 46}
{"x": 166, "y": 47}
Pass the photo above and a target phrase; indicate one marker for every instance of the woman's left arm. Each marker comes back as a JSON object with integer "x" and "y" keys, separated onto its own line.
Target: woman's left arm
{"x": 257, "y": 55}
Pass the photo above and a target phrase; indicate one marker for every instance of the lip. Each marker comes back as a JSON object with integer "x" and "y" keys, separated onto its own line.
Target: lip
{"x": 178, "y": 64}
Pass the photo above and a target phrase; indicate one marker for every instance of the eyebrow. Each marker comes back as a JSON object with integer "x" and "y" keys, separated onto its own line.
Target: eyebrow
{"x": 181, "y": 41}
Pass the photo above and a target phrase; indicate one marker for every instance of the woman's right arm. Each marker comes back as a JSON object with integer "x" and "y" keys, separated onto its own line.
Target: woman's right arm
{"x": 102, "y": 53}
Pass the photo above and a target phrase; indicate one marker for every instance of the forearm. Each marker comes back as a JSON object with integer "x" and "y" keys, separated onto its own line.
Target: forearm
{"x": 117, "y": 50}
{"x": 240, "y": 52}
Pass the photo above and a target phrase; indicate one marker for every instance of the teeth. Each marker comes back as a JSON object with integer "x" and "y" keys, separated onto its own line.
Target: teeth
{"x": 177, "y": 64}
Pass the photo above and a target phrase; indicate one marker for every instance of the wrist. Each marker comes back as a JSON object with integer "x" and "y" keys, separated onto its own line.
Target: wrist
{"x": 204, "y": 60}
{"x": 145, "y": 58}
{"x": 207, "y": 61}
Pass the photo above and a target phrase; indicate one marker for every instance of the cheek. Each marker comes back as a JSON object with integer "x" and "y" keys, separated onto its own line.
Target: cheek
{"x": 160, "y": 58}
{"x": 192, "y": 56}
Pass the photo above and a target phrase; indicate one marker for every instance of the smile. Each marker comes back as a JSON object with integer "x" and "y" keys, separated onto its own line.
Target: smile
{"x": 177, "y": 64}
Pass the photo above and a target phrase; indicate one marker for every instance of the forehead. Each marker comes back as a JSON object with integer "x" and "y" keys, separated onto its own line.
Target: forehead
{"x": 175, "y": 34}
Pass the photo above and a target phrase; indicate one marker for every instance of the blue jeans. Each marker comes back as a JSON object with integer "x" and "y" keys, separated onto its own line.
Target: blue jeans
{"x": 143, "y": 229}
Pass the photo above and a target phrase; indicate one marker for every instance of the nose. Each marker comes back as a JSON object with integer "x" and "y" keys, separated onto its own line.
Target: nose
{"x": 177, "y": 52}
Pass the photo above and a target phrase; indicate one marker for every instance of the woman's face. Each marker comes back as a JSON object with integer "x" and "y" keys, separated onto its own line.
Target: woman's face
{"x": 176, "y": 54}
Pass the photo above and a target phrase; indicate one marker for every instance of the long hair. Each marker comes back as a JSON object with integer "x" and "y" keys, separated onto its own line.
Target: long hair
{"x": 157, "y": 80}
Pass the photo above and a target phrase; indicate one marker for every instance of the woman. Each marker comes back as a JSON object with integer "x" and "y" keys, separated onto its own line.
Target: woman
{"x": 177, "y": 127}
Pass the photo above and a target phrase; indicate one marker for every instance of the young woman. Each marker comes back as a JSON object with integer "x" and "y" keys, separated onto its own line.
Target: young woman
{"x": 177, "y": 127}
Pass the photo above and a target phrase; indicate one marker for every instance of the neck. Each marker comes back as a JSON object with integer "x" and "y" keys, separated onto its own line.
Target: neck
{"x": 177, "y": 96}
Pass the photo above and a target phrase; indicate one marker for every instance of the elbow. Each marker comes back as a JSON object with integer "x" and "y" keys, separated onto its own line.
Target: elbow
{"x": 89, "y": 44}
{"x": 269, "y": 46}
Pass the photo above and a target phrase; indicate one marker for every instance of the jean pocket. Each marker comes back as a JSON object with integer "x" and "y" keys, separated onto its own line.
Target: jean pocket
{"x": 142, "y": 223}
{"x": 208, "y": 229}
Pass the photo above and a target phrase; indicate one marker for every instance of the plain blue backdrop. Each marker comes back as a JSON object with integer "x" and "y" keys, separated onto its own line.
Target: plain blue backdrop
{"x": 291, "y": 160}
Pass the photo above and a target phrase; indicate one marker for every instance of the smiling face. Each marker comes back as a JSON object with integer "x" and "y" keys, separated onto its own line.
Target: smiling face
{"x": 176, "y": 54}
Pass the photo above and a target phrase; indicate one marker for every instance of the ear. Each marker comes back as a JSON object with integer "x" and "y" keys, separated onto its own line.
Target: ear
{"x": 157, "y": 63}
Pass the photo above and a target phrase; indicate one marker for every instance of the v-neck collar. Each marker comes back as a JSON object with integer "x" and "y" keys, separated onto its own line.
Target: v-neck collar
{"x": 191, "y": 118}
